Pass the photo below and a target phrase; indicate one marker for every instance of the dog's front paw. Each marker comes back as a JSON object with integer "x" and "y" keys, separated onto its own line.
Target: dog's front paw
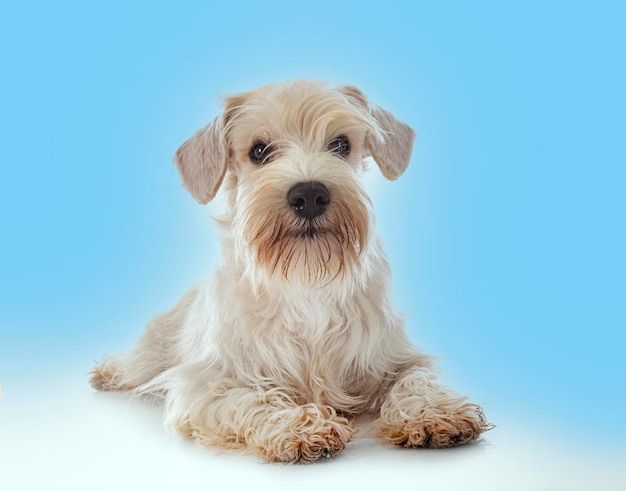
{"x": 306, "y": 434}
{"x": 447, "y": 423}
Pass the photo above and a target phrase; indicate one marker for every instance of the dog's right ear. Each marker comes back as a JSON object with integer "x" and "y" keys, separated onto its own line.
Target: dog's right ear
{"x": 202, "y": 161}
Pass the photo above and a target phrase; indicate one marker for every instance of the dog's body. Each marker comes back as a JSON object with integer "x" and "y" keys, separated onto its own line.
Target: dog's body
{"x": 296, "y": 333}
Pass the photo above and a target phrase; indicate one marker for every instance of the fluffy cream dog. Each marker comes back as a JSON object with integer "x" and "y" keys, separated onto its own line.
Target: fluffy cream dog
{"x": 296, "y": 333}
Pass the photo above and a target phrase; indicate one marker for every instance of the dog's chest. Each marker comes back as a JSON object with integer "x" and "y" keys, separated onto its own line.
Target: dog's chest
{"x": 313, "y": 338}
{"x": 303, "y": 321}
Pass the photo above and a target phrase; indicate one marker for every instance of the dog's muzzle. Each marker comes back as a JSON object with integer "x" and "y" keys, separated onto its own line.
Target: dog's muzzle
{"x": 309, "y": 199}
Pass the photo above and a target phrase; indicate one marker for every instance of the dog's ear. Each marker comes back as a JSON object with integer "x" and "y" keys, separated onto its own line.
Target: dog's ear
{"x": 392, "y": 142}
{"x": 202, "y": 161}
{"x": 391, "y": 149}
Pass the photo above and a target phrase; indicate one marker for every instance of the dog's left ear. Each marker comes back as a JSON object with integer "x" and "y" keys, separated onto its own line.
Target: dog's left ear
{"x": 392, "y": 144}
{"x": 391, "y": 150}
{"x": 201, "y": 161}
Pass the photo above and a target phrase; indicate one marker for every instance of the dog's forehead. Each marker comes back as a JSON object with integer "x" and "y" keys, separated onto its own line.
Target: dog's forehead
{"x": 303, "y": 111}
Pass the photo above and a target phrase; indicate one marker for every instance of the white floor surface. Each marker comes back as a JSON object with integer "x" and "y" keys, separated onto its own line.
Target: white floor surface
{"x": 62, "y": 435}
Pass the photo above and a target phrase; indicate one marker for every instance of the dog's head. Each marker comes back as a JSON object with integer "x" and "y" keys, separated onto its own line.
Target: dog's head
{"x": 294, "y": 155}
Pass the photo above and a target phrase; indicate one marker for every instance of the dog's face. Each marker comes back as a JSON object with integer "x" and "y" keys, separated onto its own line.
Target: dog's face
{"x": 294, "y": 156}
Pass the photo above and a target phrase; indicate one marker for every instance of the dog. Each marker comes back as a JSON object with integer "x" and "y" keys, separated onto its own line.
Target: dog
{"x": 295, "y": 335}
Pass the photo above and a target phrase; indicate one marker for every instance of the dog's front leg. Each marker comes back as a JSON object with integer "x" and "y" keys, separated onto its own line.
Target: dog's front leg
{"x": 219, "y": 411}
{"x": 420, "y": 412}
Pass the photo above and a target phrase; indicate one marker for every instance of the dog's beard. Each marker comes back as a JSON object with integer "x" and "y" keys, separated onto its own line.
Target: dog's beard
{"x": 310, "y": 251}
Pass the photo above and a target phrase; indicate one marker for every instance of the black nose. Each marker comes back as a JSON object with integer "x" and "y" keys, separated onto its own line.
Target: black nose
{"x": 309, "y": 199}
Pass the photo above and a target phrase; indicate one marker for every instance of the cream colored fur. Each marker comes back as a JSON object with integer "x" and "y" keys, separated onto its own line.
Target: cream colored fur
{"x": 295, "y": 334}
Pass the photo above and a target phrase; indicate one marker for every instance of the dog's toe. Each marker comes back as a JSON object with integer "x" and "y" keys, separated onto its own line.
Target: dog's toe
{"x": 105, "y": 377}
{"x": 437, "y": 428}
{"x": 316, "y": 433}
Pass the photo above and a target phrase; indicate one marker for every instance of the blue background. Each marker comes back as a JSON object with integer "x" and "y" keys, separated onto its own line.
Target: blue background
{"x": 506, "y": 235}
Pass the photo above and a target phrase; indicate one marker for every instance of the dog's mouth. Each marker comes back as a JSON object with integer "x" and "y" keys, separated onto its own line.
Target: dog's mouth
{"x": 310, "y": 233}
{"x": 310, "y": 229}
{"x": 310, "y": 249}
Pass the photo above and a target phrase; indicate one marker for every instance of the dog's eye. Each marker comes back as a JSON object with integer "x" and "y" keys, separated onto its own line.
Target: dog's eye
{"x": 340, "y": 146}
{"x": 260, "y": 153}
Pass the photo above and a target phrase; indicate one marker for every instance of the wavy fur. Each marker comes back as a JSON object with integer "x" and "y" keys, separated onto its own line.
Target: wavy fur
{"x": 296, "y": 333}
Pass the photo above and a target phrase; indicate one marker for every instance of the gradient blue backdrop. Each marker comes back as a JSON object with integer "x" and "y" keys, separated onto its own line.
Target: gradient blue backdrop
{"x": 506, "y": 234}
